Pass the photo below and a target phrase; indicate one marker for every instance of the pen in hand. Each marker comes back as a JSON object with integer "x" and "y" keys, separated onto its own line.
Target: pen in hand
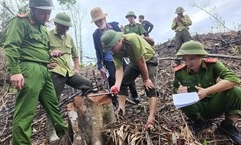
{"x": 181, "y": 88}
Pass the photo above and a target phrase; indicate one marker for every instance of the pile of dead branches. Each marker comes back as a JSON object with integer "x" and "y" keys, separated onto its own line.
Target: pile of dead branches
{"x": 170, "y": 125}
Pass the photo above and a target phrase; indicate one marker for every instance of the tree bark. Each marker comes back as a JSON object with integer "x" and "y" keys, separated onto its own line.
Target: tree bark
{"x": 87, "y": 116}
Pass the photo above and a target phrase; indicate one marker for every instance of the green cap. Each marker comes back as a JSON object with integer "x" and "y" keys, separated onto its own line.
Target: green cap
{"x": 191, "y": 48}
{"x": 179, "y": 10}
{"x": 130, "y": 13}
{"x": 109, "y": 39}
{"x": 63, "y": 19}
{"x": 41, "y": 4}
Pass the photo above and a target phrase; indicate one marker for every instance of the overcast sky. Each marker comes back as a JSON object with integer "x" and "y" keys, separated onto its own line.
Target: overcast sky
{"x": 160, "y": 13}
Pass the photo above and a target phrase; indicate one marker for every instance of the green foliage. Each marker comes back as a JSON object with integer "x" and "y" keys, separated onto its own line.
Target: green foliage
{"x": 7, "y": 12}
{"x": 24, "y": 9}
{"x": 67, "y": 3}
{"x": 205, "y": 142}
{"x": 5, "y": 18}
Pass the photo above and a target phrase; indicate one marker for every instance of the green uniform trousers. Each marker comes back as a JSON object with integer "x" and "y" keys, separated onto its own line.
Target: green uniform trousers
{"x": 228, "y": 102}
{"x": 181, "y": 37}
{"x": 38, "y": 86}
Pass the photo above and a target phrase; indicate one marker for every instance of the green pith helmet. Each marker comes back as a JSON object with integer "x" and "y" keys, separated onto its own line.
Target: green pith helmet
{"x": 179, "y": 10}
{"x": 109, "y": 39}
{"x": 191, "y": 48}
{"x": 41, "y": 4}
{"x": 130, "y": 13}
{"x": 63, "y": 19}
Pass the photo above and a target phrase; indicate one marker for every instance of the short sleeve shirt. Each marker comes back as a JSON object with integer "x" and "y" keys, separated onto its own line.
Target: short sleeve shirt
{"x": 134, "y": 48}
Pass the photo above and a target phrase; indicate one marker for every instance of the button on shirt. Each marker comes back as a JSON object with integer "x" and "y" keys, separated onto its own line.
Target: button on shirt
{"x": 207, "y": 76}
{"x": 134, "y": 28}
{"x": 66, "y": 45}
{"x": 25, "y": 41}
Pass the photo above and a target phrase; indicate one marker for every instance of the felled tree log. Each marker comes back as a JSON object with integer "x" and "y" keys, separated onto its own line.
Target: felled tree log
{"x": 87, "y": 117}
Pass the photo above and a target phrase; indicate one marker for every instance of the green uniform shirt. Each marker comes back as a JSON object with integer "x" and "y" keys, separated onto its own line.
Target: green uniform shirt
{"x": 134, "y": 48}
{"x": 205, "y": 78}
{"x": 134, "y": 28}
{"x": 186, "y": 21}
{"x": 25, "y": 41}
{"x": 66, "y": 45}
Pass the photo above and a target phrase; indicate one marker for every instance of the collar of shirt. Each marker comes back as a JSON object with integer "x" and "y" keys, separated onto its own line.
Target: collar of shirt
{"x": 132, "y": 24}
{"x": 203, "y": 66}
{"x": 31, "y": 20}
{"x": 56, "y": 33}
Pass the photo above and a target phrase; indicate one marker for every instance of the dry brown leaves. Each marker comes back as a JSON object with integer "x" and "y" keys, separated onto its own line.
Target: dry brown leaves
{"x": 170, "y": 125}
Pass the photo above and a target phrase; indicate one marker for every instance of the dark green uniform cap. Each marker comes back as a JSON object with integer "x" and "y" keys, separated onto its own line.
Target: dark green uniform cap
{"x": 179, "y": 10}
{"x": 130, "y": 13}
{"x": 41, "y": 4}
{"x": 109, "y": 39}
{"x": 63, "y": 19}
{"x": 191, "y": 48}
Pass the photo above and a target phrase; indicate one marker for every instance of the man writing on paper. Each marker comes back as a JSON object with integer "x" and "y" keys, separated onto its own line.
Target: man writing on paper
{"x": 200, "y": 75}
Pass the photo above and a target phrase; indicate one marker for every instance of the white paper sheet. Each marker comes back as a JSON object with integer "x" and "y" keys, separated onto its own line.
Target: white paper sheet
{"x": 185, "y": 99}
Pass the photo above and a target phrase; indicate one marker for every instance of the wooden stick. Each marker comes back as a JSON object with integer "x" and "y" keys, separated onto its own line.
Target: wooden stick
{"x": 209, "y": 55}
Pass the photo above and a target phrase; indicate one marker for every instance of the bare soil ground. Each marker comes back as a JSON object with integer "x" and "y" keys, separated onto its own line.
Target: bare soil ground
{"x": 171, "y": 125}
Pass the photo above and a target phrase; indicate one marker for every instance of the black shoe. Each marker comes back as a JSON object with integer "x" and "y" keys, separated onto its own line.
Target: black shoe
{"x": 137, "y": 99}
{"x": 232, "y": 131}
{"x": 197, "y": 125}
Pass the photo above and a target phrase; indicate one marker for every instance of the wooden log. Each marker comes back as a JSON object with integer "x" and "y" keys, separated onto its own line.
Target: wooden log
{"x": 209, "y": 55}
{"x": 87, "y": 117}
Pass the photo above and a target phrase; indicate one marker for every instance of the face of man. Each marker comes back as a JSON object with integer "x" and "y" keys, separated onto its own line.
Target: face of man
{"x": 101, "y": 24}
{"x": 131, "y": 19}
{"x": 42, "y": 16}
{"x": 193, "y": 61}
{"x": 117, "y": 47}
{"x": 140, "y": 19}
{"x": 61, "y": 29}
{"x": 180, "y": 14}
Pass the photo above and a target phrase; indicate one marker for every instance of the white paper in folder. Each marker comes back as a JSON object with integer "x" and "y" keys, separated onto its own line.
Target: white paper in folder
{"x": 185, "y": 99}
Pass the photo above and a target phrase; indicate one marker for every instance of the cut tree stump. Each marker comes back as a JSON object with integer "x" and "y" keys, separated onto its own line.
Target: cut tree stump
{"x": 87, "y": 117}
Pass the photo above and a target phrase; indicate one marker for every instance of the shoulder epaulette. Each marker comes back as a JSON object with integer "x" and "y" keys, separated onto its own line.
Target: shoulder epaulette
{"x": 210, "y": 60}
{"x": 177, "y": 68}
{"x": 22, "y": 15}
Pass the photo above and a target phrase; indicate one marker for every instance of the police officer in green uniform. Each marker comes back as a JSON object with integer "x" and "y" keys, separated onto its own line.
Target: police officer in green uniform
{"x": 200, "y": 75}
{"x": 133, "y": 27}
{"x": 142, "y": 61}
{"x": 180, "y": 25}
{"x": 27, "y": 51}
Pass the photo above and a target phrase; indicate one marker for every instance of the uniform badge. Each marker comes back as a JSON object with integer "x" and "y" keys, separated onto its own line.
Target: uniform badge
{"x": 210, "y": 60}
{"x": 177, "y": 68}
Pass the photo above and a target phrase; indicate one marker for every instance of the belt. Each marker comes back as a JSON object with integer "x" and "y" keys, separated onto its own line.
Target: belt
{"x": 40, "y": 63}
{"x": 181, "y": 30}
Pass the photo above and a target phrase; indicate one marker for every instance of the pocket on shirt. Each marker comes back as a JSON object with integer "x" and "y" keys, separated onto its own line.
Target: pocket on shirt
{"x": 68, "y": 48}
{"x": 37, "y": 36}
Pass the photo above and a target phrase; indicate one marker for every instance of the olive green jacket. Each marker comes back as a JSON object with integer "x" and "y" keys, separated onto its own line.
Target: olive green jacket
{"x": 134, "y": 28}
{"x": 66, "y": 45}
{"x": 181, "y": 25}
{"x": 25, "y": 41}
